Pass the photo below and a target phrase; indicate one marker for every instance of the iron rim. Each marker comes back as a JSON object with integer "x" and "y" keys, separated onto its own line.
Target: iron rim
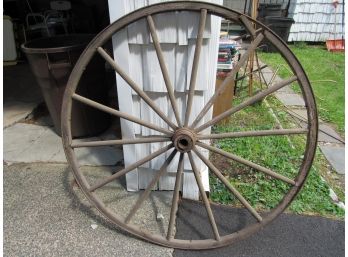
{"x": 220, "y": 11}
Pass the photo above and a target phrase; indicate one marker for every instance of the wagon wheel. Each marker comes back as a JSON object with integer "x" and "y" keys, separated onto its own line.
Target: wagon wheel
{"x": 187, "y": 139}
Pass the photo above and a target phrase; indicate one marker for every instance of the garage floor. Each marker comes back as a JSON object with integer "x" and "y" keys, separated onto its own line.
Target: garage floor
{"x": 21, "y": 93}
{"x": 29, "y": 134}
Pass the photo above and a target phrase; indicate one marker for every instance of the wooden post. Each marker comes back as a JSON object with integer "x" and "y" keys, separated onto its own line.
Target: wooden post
{"x": 224, "y": 101}
{"x": 255, "y": 5}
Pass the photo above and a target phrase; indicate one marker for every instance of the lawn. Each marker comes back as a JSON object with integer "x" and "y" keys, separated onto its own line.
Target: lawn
{"x": 326, "y": 74}
{"x": 282, "y": 154}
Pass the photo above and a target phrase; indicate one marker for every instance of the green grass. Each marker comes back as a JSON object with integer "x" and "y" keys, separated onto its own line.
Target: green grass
{"x": 325, "y": 71}
{"x": 273, "y": 152}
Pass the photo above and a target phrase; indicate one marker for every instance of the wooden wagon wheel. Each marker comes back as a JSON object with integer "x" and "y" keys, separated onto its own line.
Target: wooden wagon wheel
{"x": 185, "y": 138}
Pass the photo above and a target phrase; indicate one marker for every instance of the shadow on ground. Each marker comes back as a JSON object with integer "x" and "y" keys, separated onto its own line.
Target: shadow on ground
{"x": 288, "y": 236}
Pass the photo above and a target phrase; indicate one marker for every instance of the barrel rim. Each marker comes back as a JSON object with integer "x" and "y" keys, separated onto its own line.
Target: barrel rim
{"x": 79, "y": 44}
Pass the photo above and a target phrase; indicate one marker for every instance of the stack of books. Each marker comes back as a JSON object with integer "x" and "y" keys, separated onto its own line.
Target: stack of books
{"x": 228, "y": 55}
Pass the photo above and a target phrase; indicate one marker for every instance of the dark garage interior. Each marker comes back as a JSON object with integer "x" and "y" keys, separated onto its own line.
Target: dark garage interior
{"x": 29, "y": 21}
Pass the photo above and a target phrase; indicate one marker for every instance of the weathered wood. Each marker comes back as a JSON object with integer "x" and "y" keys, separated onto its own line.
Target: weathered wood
{"x": 147, "y": 191}
{"x": 247, "y": 102}
{"x": 195, "y": 64}
{"x": 248, "y": 163}
{"x": 175, "y": 199}
{"x": 228, "y": 185}
{"x": 229, "y": 79}
{"x": 230, "y": 237}
{"x": 224, "y": 100}
{"x": 254, "y": 133}
{"x": 134, "y": 86}
{"x": 119, "y": 114}
{"x": 129, "y": 168}
{"x": 120, "y": 142}
{"x": 164, "y": 69}
{"x": 204, "y": 197}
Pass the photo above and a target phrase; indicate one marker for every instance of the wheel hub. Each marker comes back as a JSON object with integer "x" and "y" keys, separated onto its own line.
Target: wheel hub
{"x": 184, "y": 140}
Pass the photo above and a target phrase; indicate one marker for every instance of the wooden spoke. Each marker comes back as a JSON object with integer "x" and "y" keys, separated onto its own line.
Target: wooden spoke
{"x": 259, "y": 69}
{"x": 204, "y": 197}
{"x": 164, "y": 69}
{"x": 233, "y": 190}
{"x": 247, "y": 35}
{"x": 174, "y": 207}
{"x": 195, "y": 65}
{"x": 141, "y": 140}
{"x": 255, "y": 133}
{"x": 130, "y": 168}
{"x": 246, "y": 103}
{"x": 229, "y": 80}
{"x": 134, "y": 86}
{"x": 247, "y": 163}
{"x": 147, "y": 191}
{"x": 123, "y": 115}
{"x": 256, "y": 70}
{"x": 186, "y": 132}
{"x": 248, "y": 25}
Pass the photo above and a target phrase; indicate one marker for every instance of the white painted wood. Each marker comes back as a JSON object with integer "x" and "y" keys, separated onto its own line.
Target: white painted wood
{"x": 173, "y": 166}
{"x": 193, "y": 23}
{"x": 148, "y": 114}
{"x": 213, "y": 55}
{"x": 182, "y": 32}
{"x": 167, "y": 181}
{"x": 138, "y": 32}
{"x": 153, "y": 79}
{"x": 189, "y": 186}
{"x": 136, "y": 113}
{"x": 314, "y": 20}
{"x": 152, "y": 74}
{"x": 180, "y": 83}
{"x": 198, "y": 104}
{"x": 203, "y": 67}
{"x": 158, "y": 161}
{"x": 142, "y": 150}
{"x": 135, "y": 59}
{"x": 177, "y": 34}
{"x": 146, "y": 175}
{"x": 121, "y": 55}
{"x": 166, "y": 27}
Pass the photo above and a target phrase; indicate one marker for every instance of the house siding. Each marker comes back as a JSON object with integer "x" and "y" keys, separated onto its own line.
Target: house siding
{"x": 314, "y": 19}
{"x": 134, "y": 51}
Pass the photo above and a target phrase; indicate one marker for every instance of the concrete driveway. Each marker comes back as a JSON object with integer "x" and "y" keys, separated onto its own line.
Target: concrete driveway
{"x": 44, "y": 215}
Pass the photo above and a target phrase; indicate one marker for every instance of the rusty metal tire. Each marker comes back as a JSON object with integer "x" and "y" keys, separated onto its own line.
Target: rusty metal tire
{"x": 185, "y": 140}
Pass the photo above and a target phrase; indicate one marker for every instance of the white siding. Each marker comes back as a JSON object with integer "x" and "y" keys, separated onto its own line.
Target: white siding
{"x": 238, "y": 5}
{"x": 134, "y": 51}
{"x": 315, "y": 20}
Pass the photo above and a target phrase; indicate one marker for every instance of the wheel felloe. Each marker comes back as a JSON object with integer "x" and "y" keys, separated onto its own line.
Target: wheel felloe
{"x": 184, "y": 138}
